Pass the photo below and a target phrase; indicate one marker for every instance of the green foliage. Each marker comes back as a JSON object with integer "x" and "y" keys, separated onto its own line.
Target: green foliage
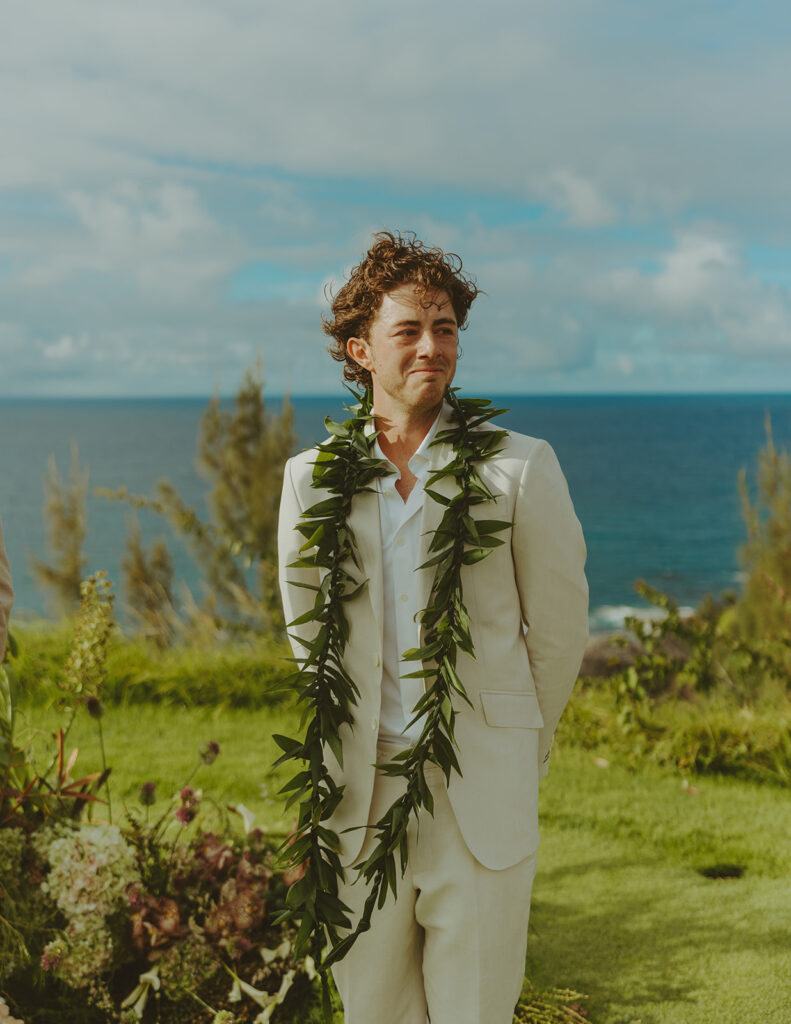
{"x": 247, "y": 672}
{"x": 148, "y": 584}
{"x": 242, "y": 454}
{"x": 28, "y": 797}
{"x": 553, "y": 1006}
{"x": 65, "y": 519}
{"x": 697, "y": 696}
{"x": 710, "y": 735}
{"x": 764, "y": 611}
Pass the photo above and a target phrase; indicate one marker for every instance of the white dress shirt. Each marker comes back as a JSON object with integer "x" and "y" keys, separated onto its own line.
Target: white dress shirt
{"x": 400, "y": 522}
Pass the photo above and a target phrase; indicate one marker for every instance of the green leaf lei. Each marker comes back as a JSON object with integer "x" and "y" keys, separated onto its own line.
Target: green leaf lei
{"x": 345, "y": 466}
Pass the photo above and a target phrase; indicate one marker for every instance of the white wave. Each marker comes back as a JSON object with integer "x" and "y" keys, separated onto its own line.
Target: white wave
{"x": 611, "y": 616}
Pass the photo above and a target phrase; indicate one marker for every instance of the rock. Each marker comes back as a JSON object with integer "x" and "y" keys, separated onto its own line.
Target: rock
{"x": 607, "y": 654}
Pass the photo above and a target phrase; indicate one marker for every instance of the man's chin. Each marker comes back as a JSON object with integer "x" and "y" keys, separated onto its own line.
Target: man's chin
{"x": 430, "y": 392}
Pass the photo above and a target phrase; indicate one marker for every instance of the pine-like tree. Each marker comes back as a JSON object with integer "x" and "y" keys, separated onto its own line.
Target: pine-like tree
{"x": 65, "y": 519}
{"x": 241, "y": 453}
{"x": 764, "y": 610}
{"x": 148, "y": 583}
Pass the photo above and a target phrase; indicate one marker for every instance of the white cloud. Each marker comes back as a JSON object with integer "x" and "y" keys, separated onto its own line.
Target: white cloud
{"x": 580, "y": 200}
{"x": 625, "y": 365}
{"x": 703, "y": 299}
{"x": 66, "y": 347}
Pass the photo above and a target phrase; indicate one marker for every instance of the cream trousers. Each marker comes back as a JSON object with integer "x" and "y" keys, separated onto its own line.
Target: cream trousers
{"x": 452, "y": 944}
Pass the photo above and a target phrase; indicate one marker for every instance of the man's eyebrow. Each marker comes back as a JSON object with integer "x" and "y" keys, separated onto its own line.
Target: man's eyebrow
{"x": 416, "y": 323}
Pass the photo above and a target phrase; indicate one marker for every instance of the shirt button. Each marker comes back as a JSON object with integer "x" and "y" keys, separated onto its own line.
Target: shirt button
{"x": 404, "y": 597}
{"x": 401, "y": 542}
{"x": 374, "y": 723}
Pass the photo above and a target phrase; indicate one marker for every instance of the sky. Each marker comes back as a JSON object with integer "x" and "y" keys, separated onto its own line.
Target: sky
{"x": 182, "y": 183}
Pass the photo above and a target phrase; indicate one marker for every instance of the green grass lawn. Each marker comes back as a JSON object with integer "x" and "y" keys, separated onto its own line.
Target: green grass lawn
{"x": 620, "y": 910}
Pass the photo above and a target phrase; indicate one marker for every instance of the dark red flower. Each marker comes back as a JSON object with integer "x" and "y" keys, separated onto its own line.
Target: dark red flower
{"x": 209, "y": 752}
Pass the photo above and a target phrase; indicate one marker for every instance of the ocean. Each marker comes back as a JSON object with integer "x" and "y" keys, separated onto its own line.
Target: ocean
{"x": 653, "y": 479}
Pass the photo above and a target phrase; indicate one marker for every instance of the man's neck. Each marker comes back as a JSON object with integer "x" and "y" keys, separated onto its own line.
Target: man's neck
{"x": 402, "y": 435}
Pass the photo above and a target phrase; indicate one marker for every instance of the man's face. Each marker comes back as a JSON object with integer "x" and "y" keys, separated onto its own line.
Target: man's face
{"x": 410, "y": 351}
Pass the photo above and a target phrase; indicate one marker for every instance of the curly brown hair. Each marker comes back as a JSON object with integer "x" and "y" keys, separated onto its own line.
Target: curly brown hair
{"x": 392, "y": 260}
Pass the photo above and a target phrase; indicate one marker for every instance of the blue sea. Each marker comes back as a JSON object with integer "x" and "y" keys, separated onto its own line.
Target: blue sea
{"x": 653, "y": 479}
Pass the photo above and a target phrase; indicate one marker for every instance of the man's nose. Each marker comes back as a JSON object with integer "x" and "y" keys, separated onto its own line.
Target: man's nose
{"x": 427, "y": 344}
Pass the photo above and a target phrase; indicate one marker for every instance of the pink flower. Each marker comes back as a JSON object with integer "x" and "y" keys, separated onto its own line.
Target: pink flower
{"x": 134, "y": 896}
{"x": 52, "y": 956}
{"x": 185, "y": 814}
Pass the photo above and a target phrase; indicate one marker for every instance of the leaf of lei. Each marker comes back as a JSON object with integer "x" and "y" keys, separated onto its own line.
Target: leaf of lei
{"x": 344, "y": 467}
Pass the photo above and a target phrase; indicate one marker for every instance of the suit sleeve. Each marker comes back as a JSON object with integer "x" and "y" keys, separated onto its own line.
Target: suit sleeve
{"x": 6, "y": 595}
{"x": 549, "y": 556}
{"x": 296, "y": 600}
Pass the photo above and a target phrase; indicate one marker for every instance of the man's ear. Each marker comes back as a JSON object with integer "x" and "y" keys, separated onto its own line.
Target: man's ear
{"x": 357, "y": 348}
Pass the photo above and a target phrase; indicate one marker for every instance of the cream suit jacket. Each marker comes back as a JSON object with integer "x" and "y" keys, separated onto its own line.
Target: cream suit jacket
{"x": 6, "y": 594}
{"x": 528, "y": 606}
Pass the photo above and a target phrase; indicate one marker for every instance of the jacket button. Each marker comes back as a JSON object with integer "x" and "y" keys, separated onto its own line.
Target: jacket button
{"x": 374, "y": 723}
{"x": 377, "y": 660}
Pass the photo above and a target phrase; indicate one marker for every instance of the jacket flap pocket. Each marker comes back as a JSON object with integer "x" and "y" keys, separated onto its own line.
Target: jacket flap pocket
{"x": 511, "y": 709}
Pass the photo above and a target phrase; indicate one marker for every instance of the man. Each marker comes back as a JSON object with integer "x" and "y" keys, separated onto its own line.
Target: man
{"x": 452, "y": 944}
{"x": 6, "y": 595}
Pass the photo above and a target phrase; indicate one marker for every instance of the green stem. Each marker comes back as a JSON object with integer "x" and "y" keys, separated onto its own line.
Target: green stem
{"x": 104, "y": 769}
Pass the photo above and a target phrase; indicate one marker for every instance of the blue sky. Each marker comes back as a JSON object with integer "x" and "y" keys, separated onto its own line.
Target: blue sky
{"x": 180, "y": 183}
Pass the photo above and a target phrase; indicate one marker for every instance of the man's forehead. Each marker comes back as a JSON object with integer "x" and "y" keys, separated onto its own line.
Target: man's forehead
{"x": 416, "y": 299}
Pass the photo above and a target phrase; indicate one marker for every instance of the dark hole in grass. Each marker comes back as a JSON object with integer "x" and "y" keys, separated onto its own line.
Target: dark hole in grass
{"x": 722, "y": 871}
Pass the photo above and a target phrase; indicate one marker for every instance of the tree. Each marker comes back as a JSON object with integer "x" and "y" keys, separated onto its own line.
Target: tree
{"x": 241, "y": 453}
{"x": 764, "y": 611}
{"x": 65, "y": 520}
{"x": 148, "y": 581}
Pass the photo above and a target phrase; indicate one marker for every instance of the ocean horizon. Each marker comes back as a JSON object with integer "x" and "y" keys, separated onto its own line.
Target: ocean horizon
{"x": 654, "y": 479}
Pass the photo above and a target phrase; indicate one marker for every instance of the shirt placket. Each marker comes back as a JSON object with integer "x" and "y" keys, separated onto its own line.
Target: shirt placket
{"x": 405, "y": 553}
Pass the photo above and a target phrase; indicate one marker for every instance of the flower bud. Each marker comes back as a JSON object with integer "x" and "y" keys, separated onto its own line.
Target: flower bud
{"x": 147, "y": 793}
{"x": 209, "y": 752}
{"x": 94, "y": 707}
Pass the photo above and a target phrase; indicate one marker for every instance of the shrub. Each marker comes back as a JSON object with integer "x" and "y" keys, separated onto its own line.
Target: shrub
{"x": 244, "y": 673}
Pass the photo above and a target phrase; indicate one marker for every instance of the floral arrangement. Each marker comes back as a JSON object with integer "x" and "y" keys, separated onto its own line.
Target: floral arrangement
{"x": 134, "y": 920}
{"x": 137, "y": 926}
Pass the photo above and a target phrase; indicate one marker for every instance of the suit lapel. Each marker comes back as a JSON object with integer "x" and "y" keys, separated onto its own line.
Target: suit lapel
{"x": 367, "y": 530}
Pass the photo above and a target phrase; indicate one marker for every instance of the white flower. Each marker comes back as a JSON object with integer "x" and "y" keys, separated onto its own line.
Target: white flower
{"x": 5, "y": 1014}
{"x": 90, "y": 869}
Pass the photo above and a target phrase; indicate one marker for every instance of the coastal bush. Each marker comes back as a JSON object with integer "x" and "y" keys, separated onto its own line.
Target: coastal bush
{"x": 711, "y": 735}
{"x": 148, "y": 585}
{"x": 695, "y": 694}
{"x": 241, "y": 673}
{"x": 764, "y": 611}
{"x": 65, "y": 520}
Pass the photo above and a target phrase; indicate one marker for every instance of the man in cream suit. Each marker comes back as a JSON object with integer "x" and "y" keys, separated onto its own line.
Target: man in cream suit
{"x": 452, "y": 944}
{"x": 6, "y": 594}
